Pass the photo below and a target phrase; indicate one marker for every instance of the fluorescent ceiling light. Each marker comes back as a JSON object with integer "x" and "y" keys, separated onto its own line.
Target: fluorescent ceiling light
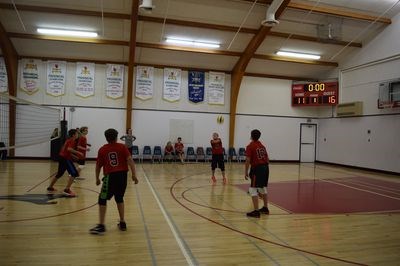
{"x": 298, "y": 55}
{"x": 193, "y": 43}
{"x": 71, "y": 33}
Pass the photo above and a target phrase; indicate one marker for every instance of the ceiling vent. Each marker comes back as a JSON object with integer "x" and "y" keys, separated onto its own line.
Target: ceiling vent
{"x": 270, "y": 20}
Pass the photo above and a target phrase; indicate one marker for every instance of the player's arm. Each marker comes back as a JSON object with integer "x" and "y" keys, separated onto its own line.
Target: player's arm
{"x": 134, "y": 138}
{"x": 246, "y": 168}
{"x": 98, "y": 168}
{"x": 131, "y": 165}
{"x": 74, "y": 152}
{"x": 122, "y": 138}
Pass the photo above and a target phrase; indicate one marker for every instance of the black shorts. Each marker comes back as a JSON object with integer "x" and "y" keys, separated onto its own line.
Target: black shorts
{"x": 218, "y": 161}
{"x": 66, "y": 165}
{"x": 259, "y": 176}
{"x": 114, "y": 184}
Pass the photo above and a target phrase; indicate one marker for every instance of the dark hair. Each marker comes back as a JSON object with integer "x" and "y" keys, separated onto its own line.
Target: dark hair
{"x": 255, "y": 134}
{"x": 179, "y": 138}
{"x": 71, "y": 132}
{"x": 111, "y": 135}
{"x": 127, "y": 130}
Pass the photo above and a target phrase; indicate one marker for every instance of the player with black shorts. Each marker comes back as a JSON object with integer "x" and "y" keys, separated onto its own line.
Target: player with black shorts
{"x": 115, "y": 159}
{"x": 257, "y": 158}
{"x": 217, "y": 158}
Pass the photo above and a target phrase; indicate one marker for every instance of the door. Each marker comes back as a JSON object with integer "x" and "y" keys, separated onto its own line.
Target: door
{"x": 308, "y": 134}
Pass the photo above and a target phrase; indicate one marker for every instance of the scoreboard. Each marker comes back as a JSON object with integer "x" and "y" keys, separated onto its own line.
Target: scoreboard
{"x": 315, "y": 94}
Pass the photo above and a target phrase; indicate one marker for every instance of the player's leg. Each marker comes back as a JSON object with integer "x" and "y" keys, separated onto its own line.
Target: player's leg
{"x": 120, "y": 188}
{"x": 62, "y": 167}
{"x": 104, "y": 195}
{"x": 73, "y": 174}
{"x": 214, "y": 162}
{"x": 221, "y": 165}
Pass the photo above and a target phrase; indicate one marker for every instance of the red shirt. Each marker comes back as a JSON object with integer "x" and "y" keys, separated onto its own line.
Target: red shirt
{"x": 82, "y": 141}
{"x": 179, "y": 147}
{"x": 69, "y": 143}
{"x": 169, "y": 149}
{"x": 113, "y": 158}
{"x": 216, "y": 146}
{"x": 257, "y": 153}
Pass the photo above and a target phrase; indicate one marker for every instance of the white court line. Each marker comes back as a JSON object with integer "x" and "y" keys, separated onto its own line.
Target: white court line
{"x": 372, "y": 192}
{"x": 178, "y": 239}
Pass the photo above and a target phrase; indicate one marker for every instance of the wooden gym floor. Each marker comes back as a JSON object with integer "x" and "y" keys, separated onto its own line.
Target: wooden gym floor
{"x": 320, "y": 215}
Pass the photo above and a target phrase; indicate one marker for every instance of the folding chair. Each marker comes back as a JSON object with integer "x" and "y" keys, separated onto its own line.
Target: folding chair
{"x": 146, "y": 155}
{"x": 208, "y": 154}
{"x": 242, "y": 155}
{"x": 157, "y": 154}
{"x": 200, "y": 154}
{"x": 135, "y": 153}
{"x": 232, "y": 155}
{"x": 190, "y": 155}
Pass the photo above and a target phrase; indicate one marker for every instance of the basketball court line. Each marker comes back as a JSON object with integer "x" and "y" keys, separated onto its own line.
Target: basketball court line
{"x": 377, "y": 187}
{"x": 146, "y": 230}
{"x": 360, "y": 189}
{"x": 254, "y": 236}
{"x": 35, "y": 186}
{"x": 180, "y": 241}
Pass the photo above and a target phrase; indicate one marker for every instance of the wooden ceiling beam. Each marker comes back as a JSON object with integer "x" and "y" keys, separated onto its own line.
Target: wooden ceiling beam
{"x": 184, "y": 23}
{"x": 330, "y": 11}
{"x": 167, "y": 47}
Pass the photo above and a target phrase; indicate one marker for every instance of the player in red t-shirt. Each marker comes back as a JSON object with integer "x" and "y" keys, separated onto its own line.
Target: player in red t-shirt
{"x": 217, "y": 157}
{"x": 65, "y": 163}
{"x": 257, "y": 158}
{"x": 115, "y": 159}
{"x": 179, "y": 149}
{"x": 82, "y": 146}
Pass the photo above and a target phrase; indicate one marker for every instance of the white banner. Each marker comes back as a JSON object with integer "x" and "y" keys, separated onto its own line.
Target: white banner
{"x": 172, "y": 84}
{"x": 3, "y": 76}
{"x": 30, "y": 75}
{"x": 144, "y": 82}
{"x": 216, "y": 88}
{"x": 56, "y": 73}
{"x": 115, "y": 81}
{"x": 84, "y": 79}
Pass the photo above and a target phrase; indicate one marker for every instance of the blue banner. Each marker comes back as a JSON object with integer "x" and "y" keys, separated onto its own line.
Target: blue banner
{"x": 196, "y": 86}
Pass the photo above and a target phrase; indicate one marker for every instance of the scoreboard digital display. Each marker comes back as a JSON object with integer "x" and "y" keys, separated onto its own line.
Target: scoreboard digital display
{"x": 315, "y": 94}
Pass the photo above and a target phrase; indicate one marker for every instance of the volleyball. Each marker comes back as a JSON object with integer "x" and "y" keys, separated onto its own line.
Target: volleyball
{"x": 220, "y": 119}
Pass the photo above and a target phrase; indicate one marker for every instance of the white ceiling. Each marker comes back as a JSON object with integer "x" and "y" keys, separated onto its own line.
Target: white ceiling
{"x": 218, "y": 12}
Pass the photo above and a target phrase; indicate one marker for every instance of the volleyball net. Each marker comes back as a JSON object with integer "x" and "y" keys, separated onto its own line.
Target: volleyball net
{"x": 23, "y": 123}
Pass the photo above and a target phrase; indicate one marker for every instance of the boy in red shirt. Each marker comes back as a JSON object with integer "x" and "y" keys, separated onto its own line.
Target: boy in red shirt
{"x": 67, "y": 155}
{"x": 82, "y": 146}
{"x": 217, "y": 157}
{"x": 179, "y": 149}
{"x": 257, "y": 158}
{"x": 114, "y": 158}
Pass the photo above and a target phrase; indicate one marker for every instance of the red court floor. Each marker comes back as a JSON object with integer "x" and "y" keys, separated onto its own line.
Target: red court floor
{"x": 342, "y": 195}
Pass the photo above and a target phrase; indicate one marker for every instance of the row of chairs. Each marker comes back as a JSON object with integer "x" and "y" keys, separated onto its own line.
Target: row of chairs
{"x": 191, "y": 154}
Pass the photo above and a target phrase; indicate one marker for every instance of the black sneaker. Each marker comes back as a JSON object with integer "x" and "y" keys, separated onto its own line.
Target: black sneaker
{"x": 51, "y": 190}
{"x": 264, "y": 210}
{"x": 254, "y": 213}
{"x": 122, "y": 226}
{"x": 98, "y": 229}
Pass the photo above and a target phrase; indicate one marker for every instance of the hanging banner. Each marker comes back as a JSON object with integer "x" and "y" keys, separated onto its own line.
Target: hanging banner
{"x": 3, "y": 76}
{"x": 216, "y": 88}
{"x": 84, "y": 79}
{"x": 144, "y": 82}
{"x": 115, "y": 81}
{"x": 196, "y": 86}
{"x": 56, "y": 72}
{"x": 30, "y": 75}
{"x": 172, "y": 84}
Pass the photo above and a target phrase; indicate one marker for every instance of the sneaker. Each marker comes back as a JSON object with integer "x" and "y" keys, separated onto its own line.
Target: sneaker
{"x": 213, "y": 179}
{"x": 122, "y": 226}
{"x": 224, "y": 180}
{"x": 98, "y": 229}
{"x": 264, "y": 210}
{"x": 68, "y": 192}
{"x": 254, "y": 213}
{"x": 51, "y": 190}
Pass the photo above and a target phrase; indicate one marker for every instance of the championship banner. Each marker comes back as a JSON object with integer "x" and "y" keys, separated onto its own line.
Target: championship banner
{"x": 172, "y": 84}
{"x": 115, "y": 81}
{"x": 30, "y": 75}
{"x": 216, "y": 88}
{"x": 196, "y": 86}
{"x": 56, "y": 73}
{"x": 144, "y": 82}
{"x": 84, "y": 79}
{"x": 3, "y": 76}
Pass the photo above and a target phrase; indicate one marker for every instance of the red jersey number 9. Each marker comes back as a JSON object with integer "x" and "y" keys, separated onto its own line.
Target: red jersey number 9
{"x": 113, "y": 158}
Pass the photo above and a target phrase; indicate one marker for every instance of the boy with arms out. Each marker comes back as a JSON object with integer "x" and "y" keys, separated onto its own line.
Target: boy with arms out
{"x": 217, "y": 157}
{"x": 257, "y": 158}
{"x": 114, "y": 158}
{"x": 65, "y": 163}
{"x": 82, "y": 146}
